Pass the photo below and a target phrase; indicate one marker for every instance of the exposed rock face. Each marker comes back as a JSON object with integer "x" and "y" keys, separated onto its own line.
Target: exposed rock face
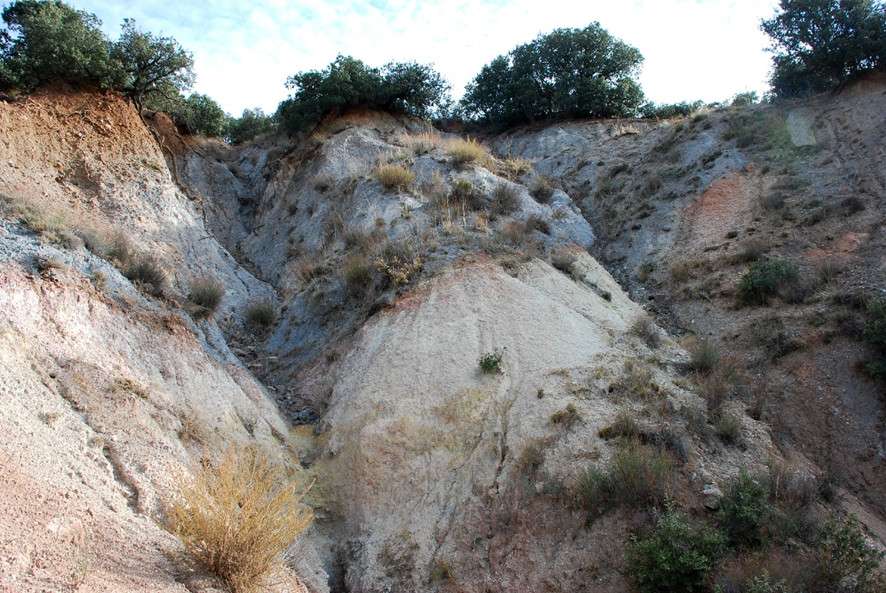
{"x": 108, "y": 397}
{"x": 431, "y": 475}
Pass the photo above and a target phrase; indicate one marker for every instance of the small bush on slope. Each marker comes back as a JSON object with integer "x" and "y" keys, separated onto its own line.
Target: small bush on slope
{"x": 238, "y": 517}
{"x": 261, "y": 314}
{"x": 637, "y": 476}
{"x": 844, "y": 561}
{"x": 744, "y": 509}
{"x": 393, "y": 176}
{"x": 764, "y": 280}
{"x": 875, "y": 335}
{"x": 675, "y": 557}
{"x": 463, "y": 152}
{"x": 206, "y": 295}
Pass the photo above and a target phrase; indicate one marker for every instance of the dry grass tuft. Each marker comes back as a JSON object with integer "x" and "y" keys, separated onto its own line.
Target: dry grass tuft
{"x": 393, "y": 176}
{"x": 463, "y": 152}
{"x": 205, "y": 296}
{"x": 238, "y": 517}
{"x": 421, "y": 143}
{"x": 514, "y": 167}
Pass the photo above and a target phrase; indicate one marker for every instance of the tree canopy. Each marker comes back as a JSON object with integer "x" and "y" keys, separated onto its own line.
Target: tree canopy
{"x": 250, "y": 124}
{"x": 346, "y": 83}
{"x": 150, "y": 64}
{"x": 819, "y": 45}
{"x": 564, "y": 74}
{"x": 46, "y": 41}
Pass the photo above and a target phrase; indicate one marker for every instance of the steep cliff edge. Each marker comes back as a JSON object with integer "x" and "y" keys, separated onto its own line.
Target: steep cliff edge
{"x": 449, "y": 361}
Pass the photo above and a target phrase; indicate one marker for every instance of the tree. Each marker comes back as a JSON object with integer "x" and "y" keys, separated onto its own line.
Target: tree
{"x": 46, "y": 41}
{"x": 250, "y": 124}
{"x": 194, "y": 114}
{"x": 819, "y": 45}
{"x": 566, "y": 73}
{"x": 150, "y": 64}
{"x": 347, "y": 83}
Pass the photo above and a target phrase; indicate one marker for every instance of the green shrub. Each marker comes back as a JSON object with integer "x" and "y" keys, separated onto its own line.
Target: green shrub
{"x": 744, "y": 509}
{"x": 261, "y": 313}
{"x": 637, "y": 476}
{"x": 568, "y": 73}
{"x": 490, "y": 363}
{"x": 844, "y": 561}
{"x": 819, "y": 45}
{"x": 675, "y": 556}
{"x": 206, "y": 295}
{"x": 764, "y": 279}
{"x": 347, "y": 83}
{"x": 875, "y": 334}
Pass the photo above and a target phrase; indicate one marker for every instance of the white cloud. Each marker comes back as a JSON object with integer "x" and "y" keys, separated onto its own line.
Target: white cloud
{"x": 694, "y": 49}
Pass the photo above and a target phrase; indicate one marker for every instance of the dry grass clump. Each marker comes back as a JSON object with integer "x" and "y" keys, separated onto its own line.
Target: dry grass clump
{"x": 238, "y": 517}
{"x": 205, "y": 296}
{"x": 566, "y": 417}
{"x": 398, "y": 262}
{"x": 421, "y": 143}
{"x": 703, "y": 356}
{"x": 466, "y": 151}
{"x": 394, "y": 176}
{"x": 644, "y": 328}
{"x": 637, "y": 476}
{"x": 534, "y": 222}
{"x": 358, "y": 274}
{"x": 147, "y": 273}
{"x": 514, "y": 167}
{"x": 624, "y": 425}
{"x": 637, "y": 381}
{"x": 505, "y": 200}
{"x": 261, "y": 314}
{"x": 542, "y": 190}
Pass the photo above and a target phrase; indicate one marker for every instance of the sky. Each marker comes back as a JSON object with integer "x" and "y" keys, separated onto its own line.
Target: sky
{"x": 244, "y": 50}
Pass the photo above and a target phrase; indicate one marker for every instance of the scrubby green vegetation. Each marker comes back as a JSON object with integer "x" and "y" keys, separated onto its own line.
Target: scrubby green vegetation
{"x": 875, "y": 335}
{"x": 567, "y": 73}
{"x": 819, "y": 45}
{"x": 637, "y": 476}
{"x": 251, "y": 123}
{"x": 490, "y": 362}
{"x": 675, "y": 556}
{"x": 669, "y": 110}
{"x": 47, "y": 41}
{"x": 765, "y": 279}
{"x": 348, "y": 83}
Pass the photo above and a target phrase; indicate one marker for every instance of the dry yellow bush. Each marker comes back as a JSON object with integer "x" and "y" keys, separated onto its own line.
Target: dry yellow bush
{"x": 393, "y": 176}
{"x": 514, "y": 167}
{"x": 468, "y": 151}
{"x": 421, "y": 143}
{"x": 238, "y": 517}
